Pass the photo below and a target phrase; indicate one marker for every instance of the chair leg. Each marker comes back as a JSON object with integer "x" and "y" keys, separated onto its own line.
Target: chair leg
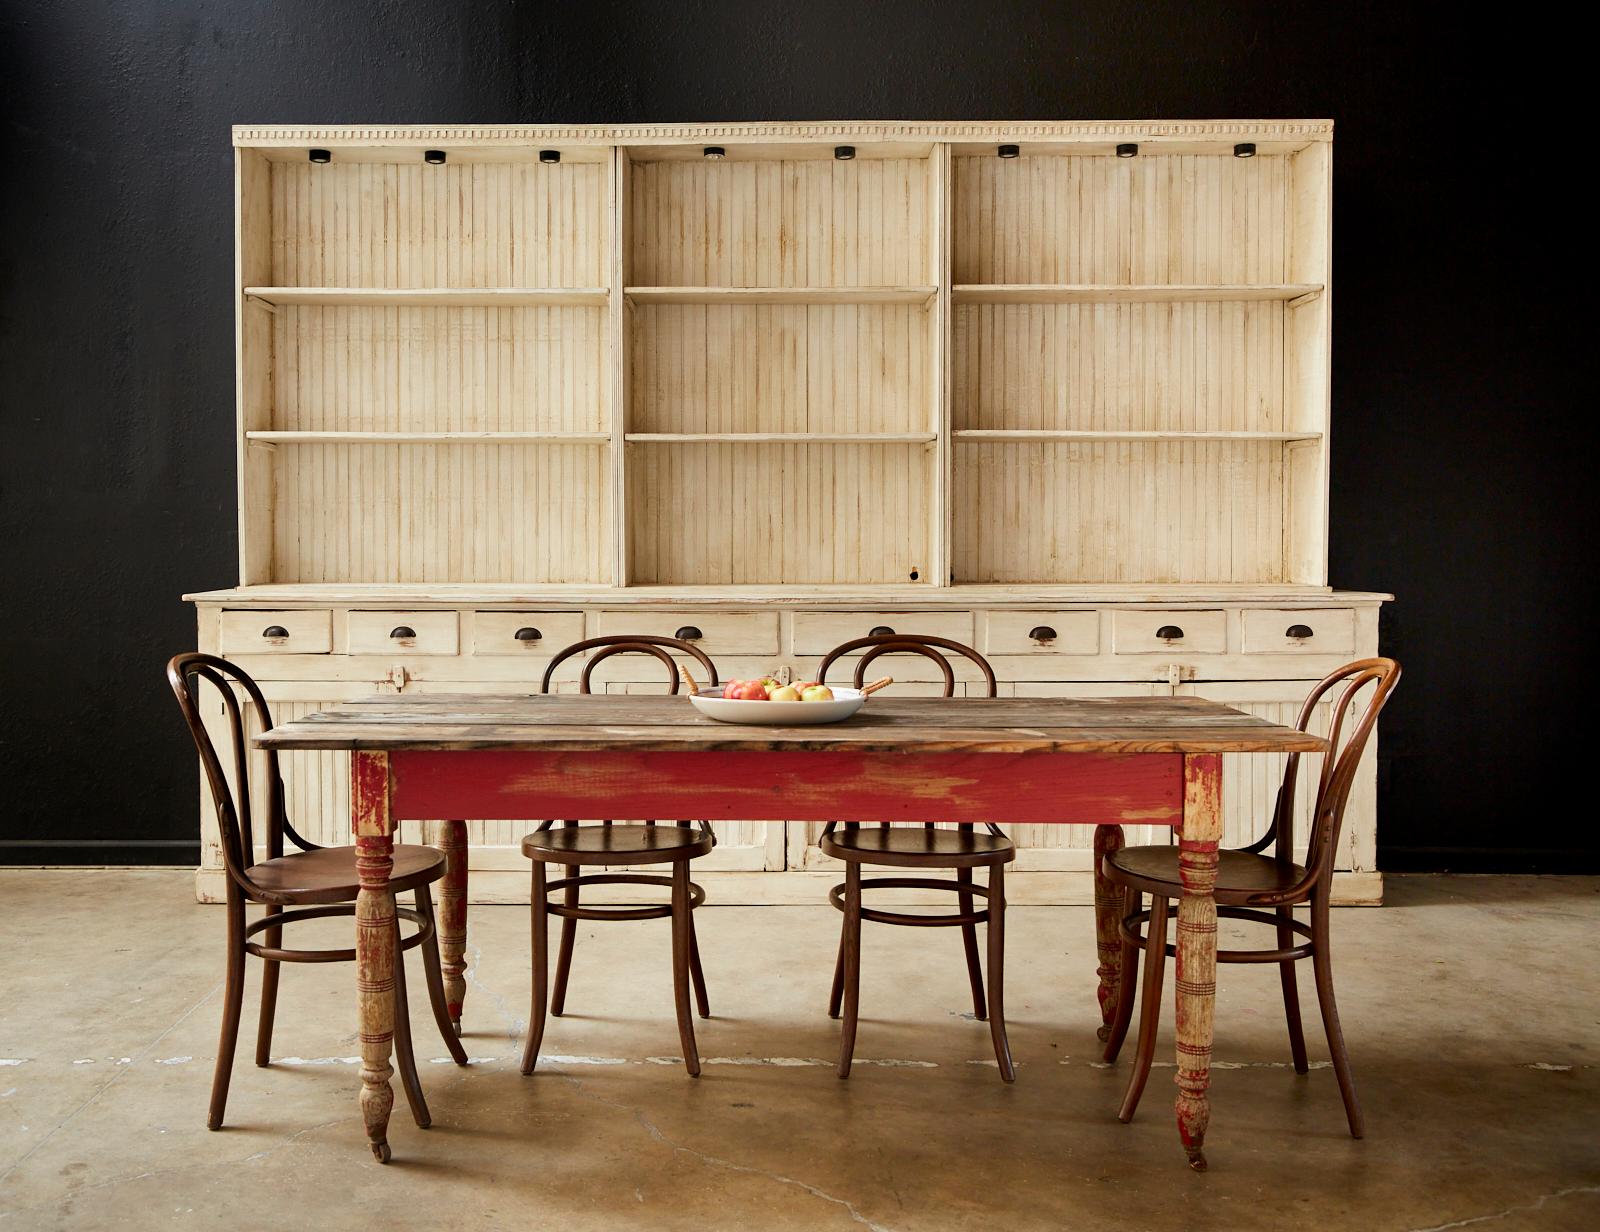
{"x": 969, "y": 942}
{"x": 272, "y": 938}
{"x": 1132, "y": 903}
{"x": 232, "y": 1007}
{"x": 404, "y": 1054}
{"x": 1291, "y": 992}
{"x": 569, "y": 933}
{"x": 433, "y": 972}
{"x": 997, "y": 973}
{"x": 1322, "y": 965}
{"x": 837, "y": 994}
{"x": 1155, "y": 965}
{"x": 681, "y": 926}
{"x": 850, "y": 947}
{"x": 538, "y": 902}
{"x": 697, "y": 973}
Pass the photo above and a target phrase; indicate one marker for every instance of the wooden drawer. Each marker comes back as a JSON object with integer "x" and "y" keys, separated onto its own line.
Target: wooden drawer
{"x": 816, "y": 633}
{"x": 1203, "y": 632}
{"x": 433, "y": 633}
{"x": 1011, "y": 633}
{"x": 495, "y": 633}
{"x": 1325, "y": 631}
{"x": 718, "y": 632}
{"x": 304, "y": 632}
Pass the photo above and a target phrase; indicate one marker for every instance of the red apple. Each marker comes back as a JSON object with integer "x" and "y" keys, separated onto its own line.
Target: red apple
{"x": 745, "y": 691}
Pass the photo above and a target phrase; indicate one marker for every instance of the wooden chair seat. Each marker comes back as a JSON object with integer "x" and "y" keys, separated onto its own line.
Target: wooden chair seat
{"x": 617, "y": 844}
{"x": 328, "y": 874}
{"x": 1243, "y": 878}
{"x": 915, "y": 847}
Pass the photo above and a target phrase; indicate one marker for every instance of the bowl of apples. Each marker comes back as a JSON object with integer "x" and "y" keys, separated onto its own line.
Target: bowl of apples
{"x": 773, "y": 703}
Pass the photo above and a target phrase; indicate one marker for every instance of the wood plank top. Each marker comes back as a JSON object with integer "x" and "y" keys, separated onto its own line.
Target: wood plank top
{"x": 574, "y": 722}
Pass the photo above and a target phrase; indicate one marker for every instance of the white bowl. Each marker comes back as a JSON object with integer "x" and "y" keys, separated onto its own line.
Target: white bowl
{"x": 713, "y": 705}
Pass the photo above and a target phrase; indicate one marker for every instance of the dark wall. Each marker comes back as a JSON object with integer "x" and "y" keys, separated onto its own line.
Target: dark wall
{"x": 1460, "y": 480}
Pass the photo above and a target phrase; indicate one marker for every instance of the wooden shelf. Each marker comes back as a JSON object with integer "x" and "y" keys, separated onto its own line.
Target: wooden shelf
{"x": 1108, "y": 293}
{"x": 427, "y": 438}
{"x": 780, "y": 295}
{"x": 784, "y": 438}
{"x": 434, "y": 297}
{"x": 1043, "y": 434}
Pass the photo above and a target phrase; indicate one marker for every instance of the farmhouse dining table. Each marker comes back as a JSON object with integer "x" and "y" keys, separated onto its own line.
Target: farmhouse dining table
{"x": 1095, "y": 761}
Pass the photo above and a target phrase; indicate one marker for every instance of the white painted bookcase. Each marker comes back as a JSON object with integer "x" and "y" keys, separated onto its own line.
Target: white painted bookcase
{"x": 1058, "y": 390}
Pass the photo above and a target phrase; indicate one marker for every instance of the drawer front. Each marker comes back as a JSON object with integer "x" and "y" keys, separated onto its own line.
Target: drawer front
{"x": 816, "y": 633}
{"x": 1013, "y": 633}
{"x": 302, "y": 632}
{"x": 1324, "y": 631}
{"x": 432, "y": 633}
{"x": 713, "y": 632}
{"x": 1202, "y": 632}
{"x": 544, "y": 633}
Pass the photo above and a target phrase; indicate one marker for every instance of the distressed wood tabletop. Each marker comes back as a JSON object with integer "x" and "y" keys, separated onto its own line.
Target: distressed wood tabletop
{"x": 573, "y": 722}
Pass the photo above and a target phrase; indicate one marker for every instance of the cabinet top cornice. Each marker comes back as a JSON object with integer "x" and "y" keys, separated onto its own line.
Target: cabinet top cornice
{"x": 1292, "y": 131}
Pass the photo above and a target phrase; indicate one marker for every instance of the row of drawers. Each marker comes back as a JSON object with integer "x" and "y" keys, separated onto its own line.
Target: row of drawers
{"x": 1317, "y": 631}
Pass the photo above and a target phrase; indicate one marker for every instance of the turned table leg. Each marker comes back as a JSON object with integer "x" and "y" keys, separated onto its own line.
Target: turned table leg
{"x": 1108, "y": 940}
{"x": 375, "y": 935}
{"x": 450, "y": 837}
{"x": 1195, "y": 987}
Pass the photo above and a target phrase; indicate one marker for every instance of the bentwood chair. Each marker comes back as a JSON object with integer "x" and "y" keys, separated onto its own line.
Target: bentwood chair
{"x": 921, "y": 850}
{"x": 1261, "y": 888}
{"x": 316, "y": 882}
{"x": 608, "y": 844}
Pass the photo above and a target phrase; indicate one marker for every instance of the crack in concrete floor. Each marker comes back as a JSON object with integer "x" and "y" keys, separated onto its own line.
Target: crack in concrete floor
{"x": 1537, "y": 1204}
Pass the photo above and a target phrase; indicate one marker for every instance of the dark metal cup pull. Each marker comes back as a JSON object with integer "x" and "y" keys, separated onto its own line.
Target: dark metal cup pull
{"x": 1042, "y": 633}
{"x": 402, "y": 632}
{"x": 527, "y": 634}
{"x": 880, "y": 631}
{"x": 689, "y": 633}
{"x": 274, "y": 631}
{"x": 1298, "y": 632}
{"x": 1169, "y": 633}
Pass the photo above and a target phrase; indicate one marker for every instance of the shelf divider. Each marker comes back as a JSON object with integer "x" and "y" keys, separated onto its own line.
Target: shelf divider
{"x": 1108, "y": 293}
{"x": 432, "y": 297}
{"x": 428, "y": 438}
{"x": 780, "y": 295}
{"x": 788, "y": 438}
{"x": 1052, "y": 434}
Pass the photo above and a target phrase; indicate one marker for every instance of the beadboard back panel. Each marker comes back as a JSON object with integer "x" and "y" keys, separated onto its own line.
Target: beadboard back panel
{"x": 779, "y": 222}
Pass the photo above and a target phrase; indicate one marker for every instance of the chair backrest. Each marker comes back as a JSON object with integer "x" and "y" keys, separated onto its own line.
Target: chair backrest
{"x": 927, "y": 646}
{"x": 642, "y": 643}
{"x": 235, "y": 820}
{"x": 1347, "y": 741}
{"x": 639, "y": 643}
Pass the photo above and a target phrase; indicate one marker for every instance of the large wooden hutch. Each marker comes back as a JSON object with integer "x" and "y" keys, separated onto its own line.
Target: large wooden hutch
{"x": 1059, "y": 390}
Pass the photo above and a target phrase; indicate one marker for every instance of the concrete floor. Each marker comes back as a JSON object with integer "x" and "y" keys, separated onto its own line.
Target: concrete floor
{"x": 1472, "y": 1006}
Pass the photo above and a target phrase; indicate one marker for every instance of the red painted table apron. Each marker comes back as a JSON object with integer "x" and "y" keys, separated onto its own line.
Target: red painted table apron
{"x": 1101, "y": 762}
